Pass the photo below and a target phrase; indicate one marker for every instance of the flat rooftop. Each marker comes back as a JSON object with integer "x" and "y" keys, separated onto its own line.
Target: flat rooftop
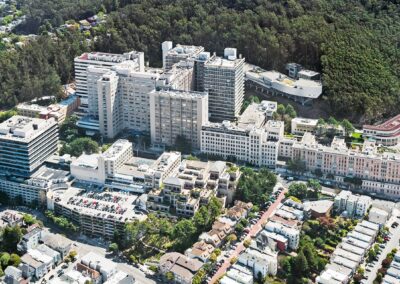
{"x": 116, "y": 149}
{"x": 223, "y": 62}
{"x": 111, "y": 205}
{"x": 24, "y": 129}
{"x": 136, "y": 167}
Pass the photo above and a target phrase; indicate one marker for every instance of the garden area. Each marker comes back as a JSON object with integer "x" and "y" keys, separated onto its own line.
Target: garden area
{"x": 318, "y": 240}
{"x": 149, "y": 239}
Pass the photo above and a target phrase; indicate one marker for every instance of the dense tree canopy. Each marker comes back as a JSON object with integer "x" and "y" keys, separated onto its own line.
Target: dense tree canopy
{"x": 255, "y": 187}
{"x": 352, "y": 42}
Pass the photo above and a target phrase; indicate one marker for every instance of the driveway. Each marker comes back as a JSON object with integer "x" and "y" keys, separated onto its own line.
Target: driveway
{"x": 255, "y": 229}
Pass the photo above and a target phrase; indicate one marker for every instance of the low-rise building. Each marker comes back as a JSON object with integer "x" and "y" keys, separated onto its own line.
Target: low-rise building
{"x": 261, "y": 262}
{"x": 293, "y": 235}
{"x": 182, "y": 267}
{"x": 30, "y": 240}
{"x": 387, "y": 133}
{"x": 303, "y": 125}
{"x": 318, "y": 208}
{"x": 354, "y": 205}
{"x": 200, "y": 250}
{"x": 239, "y": 210}
{"x": 378, "y": 216}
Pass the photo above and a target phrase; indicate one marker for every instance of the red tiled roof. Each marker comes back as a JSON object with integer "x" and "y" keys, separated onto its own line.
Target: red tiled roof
{"x": 391, "y": 124}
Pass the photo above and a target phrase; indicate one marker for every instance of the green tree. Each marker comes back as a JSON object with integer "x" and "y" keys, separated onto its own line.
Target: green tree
{"x": 79, "y": 146}
{"x": 301, "y": 267}
{"x": 11, "y": 237}
{"x": 290, "y": 111}
{"x": 113, "y": 247}
{"x": 184, "y": 233}
{"x": 15, "y": 260}
{"x": 348, "y": 127}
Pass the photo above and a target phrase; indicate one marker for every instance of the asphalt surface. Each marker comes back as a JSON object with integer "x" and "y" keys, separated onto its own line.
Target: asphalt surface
{"x": 255, "y": 229}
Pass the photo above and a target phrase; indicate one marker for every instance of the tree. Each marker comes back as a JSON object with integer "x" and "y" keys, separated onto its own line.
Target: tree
{"x": 213, "y": 257}
{"x": 113, "y": 247}
{"x": 296, "y": 166}
{"x": 15, "y": 260}
{"x": 4, "y": 259}
{"x": 281, "y": 110}
{"x": 184, "y": 232}
{"x": 255, "y": 187}
{"x": 298, "y": 190}
{"x": 183, "y": 145}
{"x": 29, "y": 219}
{"x": 170, "y": 276}
{"x": 332, "y": 121}
{"x": 4, "y": 199}
{"x": 348, "y": 127}
{"x": 290, "y": 111}
{"x": 79, "y": 146}
{"x": 231, "y": 238}
{"x": 11, "y": 237}
{"x": 72, "y": 254}
{"x": 301, "y": 267}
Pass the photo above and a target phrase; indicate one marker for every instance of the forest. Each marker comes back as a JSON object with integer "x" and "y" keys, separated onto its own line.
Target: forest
{"x": 354, "y": 43}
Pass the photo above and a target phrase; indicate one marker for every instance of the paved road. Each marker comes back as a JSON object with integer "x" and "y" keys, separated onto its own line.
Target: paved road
{"x": 255, "y": 229}
{"x": 391, "y": 244}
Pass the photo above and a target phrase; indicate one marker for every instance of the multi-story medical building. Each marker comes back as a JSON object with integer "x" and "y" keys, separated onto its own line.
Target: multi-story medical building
{"x": 366, "y": 163}
{"x": 177, "y": 113}
{"x": 224, "y": 81}
{"x": 102, "y": 60}
{"x": 25, "y": 143}
{"x": 172, "y": 55}
{"x": 252, "y": 138}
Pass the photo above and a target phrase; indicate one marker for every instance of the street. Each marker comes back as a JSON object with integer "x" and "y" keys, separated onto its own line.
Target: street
{"x": 255, "y": 229}
{"x": 391, "y": 244}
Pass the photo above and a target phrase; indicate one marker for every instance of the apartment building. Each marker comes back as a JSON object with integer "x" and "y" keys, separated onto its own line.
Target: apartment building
{"x": 25, "y": 143}
{"x": 175, "y": 114}
{"x": 366, "y": 163}
{"x": 261, "y": 262}
{"x": 224, "y": 82}
{"x": 193, "y": 185}
{"x": 101, "y": 60}
{"x": 292, "y": 234}
{"x": 387, "y": 133}
{"x": 354, "y": 205}
{"x": 110, "y": 118}
{"x": 252, "y": 138}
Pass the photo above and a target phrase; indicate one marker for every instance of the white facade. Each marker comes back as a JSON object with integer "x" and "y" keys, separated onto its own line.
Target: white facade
{"x": 293, "y": 235}
{"x": 260, "y": 262}
{"x": 101, "y": 60}
{"x": 354, "y": 205}
{"x": 378, "y": 216}
{"x": 302, "y": 125}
